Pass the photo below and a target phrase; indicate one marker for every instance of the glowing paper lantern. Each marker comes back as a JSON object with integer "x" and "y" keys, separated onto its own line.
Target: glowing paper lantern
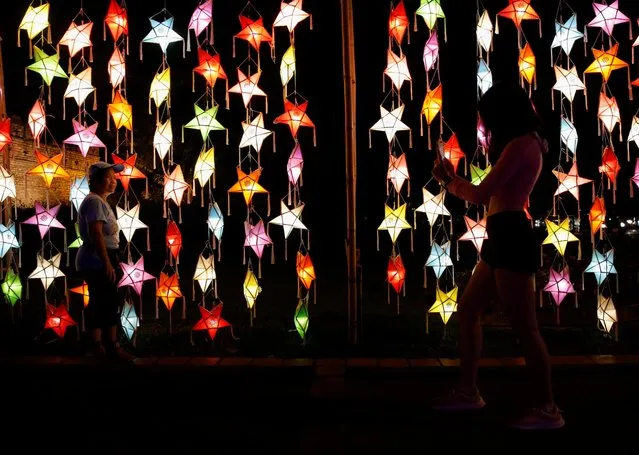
{"x": 5, "y": 133}
{"x": 47, "y": 270}
{"x": 48, "y": 168}
{"x": 475, "y": 233}
{"x": 633, "y": 135}
{"x": 168, "y": 289}
{"x": 568, "y": 82}
{"x": 431, "y": 52}
{"x": 396, "y": 273}
{"x": 485, "y": 32}
{"x": 7, "y": 185}
{"x": 117, "y": 68}
{"x": 77, "y": 37}
{"x": 601, "y": 265}
{"x": 129, "y": 320}
{"x": 559, "y": 235}
{"x": 398, "y": 22}
{"x": 8, "y": 238}
{"x": 390, "y": 123}
{"x": 439, "y": 258}
{"x": 35, "y": 20}
{"x": 82, "y": 290}
{"x": 610, "y": 164}
{"x": 117, "y": 21}
{"x": 129, "y": 172}
{"x": 79, "y": 86}
{"x": 484, "y": 77}
{"x": 129, "y": 221}
{"x": 173, "y": 239}
{"x": 215, "y": 221}
{"x": 79, "y": 190}
{"x": 37, "y": 121}
{"x": 205, "y": 273}
{"x": 11, "y": 287}
{"x": 394, "y": 222}
{"x": 569, "y": 136}
{"x": 288, "y": 66}
{"x": 254, "y": 133}
{"x": 290, "y": 14}
{"x": 397, "y": 171}
{"x": 134, "y": 275}
{"x": 210, "y": 67}
{"x": 453, "y": 152}
{"x": 204, "y": 167}
{"x": 201, "y": 17}
{"x": 205, "y": 121}
{"x": 430, "y": 11}
{"x": 433, "y": 206}
{"x": 251, "y": 289}
{"x": 566, "y": 34}
{"x": 606, "y": 313}
{"x": 432, "y": 106}
{"x": 635, "y": 178}
{"x": 305, "y": 269}
{"x": 477, "y": 174}
{"x": 445, "y": 303}
{"x": 606, "y": 62}
{"x": 211, "y": 321}
{"x": 47, "y": 66}
{"x": 247, "y": 185}
{"x": 160, "y": 88}
{"x": 175, "y": 186}
{"x": 254, "y": 32}
{"x": 559, "y": 285}
{"x": 597, "y": 216}
{"x": 163, "y": 139}
{"x": 570, "y": 182}
{"x": 45, "y": 219}
{"x": 289, "y": 219}
{"x": 256, "y": 237}
{"x": 609, "y": 114}
{"x": 247, "y": 86}
{"x": 84, "y": 137}
{"x": 607, "y": 16}
{"x": 121, "y": 111}
{"x": 397, "y": 69}
{"x": 295, "y": 117}
{"x": 162, "y": 34}
{"x": 294, "y": 165}
{"x": 519, "y": 11}
{"x": 301, "y": 318}
{"x": 77, "y": 243}
{"x": 527, "y": 64}
{"x": 58, "y": 319}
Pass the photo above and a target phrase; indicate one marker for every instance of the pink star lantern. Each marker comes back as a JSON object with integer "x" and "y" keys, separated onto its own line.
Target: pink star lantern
{"x": 84, "y": 137}
{"x": 134, "y": 275}
{"x": 117, "y": 68}
{"x": 607, "y": 16}
{"x": 295, "y": 165}
{"x": 211, "y": 320}
{"x": 476, "y": 232}
{"x": 397, "y": 171}
{"x": 431, "y": 52}
{"x": 77, "y": 37}
{"x": 609, "y": 114}
{"x": 559, "y": 285}
{"x": 635, "y": 178}
{"x": 201, "y": 17}
{"x": 45, "y": 219}
{"x": 256, "y": 237}
{"x": 247, "y": 86}
{"x": 570, "y": 182}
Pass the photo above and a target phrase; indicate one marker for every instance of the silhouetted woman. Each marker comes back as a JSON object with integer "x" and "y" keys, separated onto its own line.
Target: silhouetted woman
{"x": 510, "y": 255}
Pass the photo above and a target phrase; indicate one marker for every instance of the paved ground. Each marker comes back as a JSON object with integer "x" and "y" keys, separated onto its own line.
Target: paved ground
{"x": 324, "y": 406}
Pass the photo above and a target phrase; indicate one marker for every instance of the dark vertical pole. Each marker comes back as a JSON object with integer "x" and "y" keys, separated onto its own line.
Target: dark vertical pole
{"x": 348, "y": 60}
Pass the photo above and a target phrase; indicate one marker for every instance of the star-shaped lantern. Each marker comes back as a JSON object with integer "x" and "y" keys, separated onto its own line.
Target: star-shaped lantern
{"x": 129, "y": 172}
{"x": 390, "y": 122}
{"x": 205, "y": 273}
{"x": 82, "y": 290}
{"x": 289, "y": 219}
{"x": 215, "y": 221}
{"x": 168, "y": 289}
{"x": 475, "y": 233}
{"x": 559, "y": 235}
{"x": 445, "y": 303}
{"x": 35, "y": 20}
{"x": 394, "y": 222}
{"x": 432, "y": 106}
{"x": 305, "y": 269}
{"x": 570, "y": 182}
{"x": 77, "y": 37}
{"x": 47, "y": 66}
{"x": 431, "y": 52}
{"x": 290, "y": 14}
{"x": 247, "y": 184}
{"x": 398, "y": 22}
{"x": 484, "y": 77}
{"x": 606, "y": 62}
{"x": 47, "y": 270}
{"x": 58, "y": 319}
{"x": 201, "y": 17}
{"x": 439, "y": 258}
{"x": 597, "y": 215}
{"x": 301, "y": 318}
{"x": 606, "y": 312}
{"x": 254, "y": 32}
{"x": 569, "y": 135}
{"x": 117, "y": 21}
{"x": 295, "y": 164}
{"x": 453, "y": 152}
{"x": 116, "y": 68}
{"x": 566, "y": 34}
{"x": 79, "y": 86}
{"x": 254, "y": 133}
{"x": 48, "y": 168}
{"x": 7, "y": 185}
{"x": 568, "y": 82}
{"x": 5, "y": 133}
{"x": 8, "y": 238}
{"x": 205, "y": 121}
{"x": 256, "y": 237}
{"x": 519, "y": 11}
{"x": 211, "y": 320}
{"x": 609, "y": 114}
{"x": 79, "y": 190}
{"x": 610, "y": 164}
{"x": 633, "y": 135}
{"x": 84, "y": 137}
{"x": 77, "y": 243}
{"x": 173, "y": 239}
{"x": 37, "y": 121}
{"x": 247, "y": 86}
{"x": 607, "y": 16}
{"x": 430, "y": 11}
{"x": 160, "y": 88}
{"x": 288, "y": 66}
{"x": 134, "y": 275}
{"x": 397, "y": 171}
{"x": 559, "y": 285}
{"x": 121, "y": 111}
{"x": 527, "y": 64}
{"x": 204, "y": 167}
{"x": 433, "y": 206}
{"x": 251, "y": 288}
{"x": 45, "y": 219}
{"x": 635, "y": 177}
{"x": 396, "y": 273}
{"x": 601, "y": 265}
{"x": 397, "y": 69}
{"x": 485, "y": 32}
{"x": 163, "y": 139}
{"x": 12, "y": 287}
{"x": 129, "y": 221}
{"x": 477, "y": 174}
{"x": 129, "y": 320}
{"x": 209, "y": 67}
{"x": 175, "y": 186}
{"x": 162, "y": 34}
{"x": 295, "y": 116}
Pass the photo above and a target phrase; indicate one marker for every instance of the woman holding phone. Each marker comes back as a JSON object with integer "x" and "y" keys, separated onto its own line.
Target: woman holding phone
{"x": 510, "y": 255}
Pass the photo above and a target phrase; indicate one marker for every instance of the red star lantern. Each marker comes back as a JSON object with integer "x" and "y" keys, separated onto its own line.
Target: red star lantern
{"x": 210, "y": 67}
{"x": 58, "y": 319}
{"x": 453, "y": 152}
{"x": 168, "y": 289}
{"x": 252, "y": 31}
{"x": 129, "y": 172}
{"x": 5, "y": 133}
{"x": 117, "y": 21}
{"x": 396, "y": 273}
{"x": 295, "y": 117}
{"x": 398, "y": 22}
{"x": 610, "y": 164}
{"x": 211, "y": 320}
{"x": 174, "y": 240}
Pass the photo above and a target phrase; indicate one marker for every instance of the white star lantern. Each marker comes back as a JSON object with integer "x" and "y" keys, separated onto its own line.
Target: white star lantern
{"x": 162, "y": 34}
{"x": 7, "y": 185}
{"x": 254, "y": 133}
{"x": 390, "y": 123}
{"x": 205, "y": 273}
{"x": 8, "y": 238}
{"x": 566, "y": 34}
{"x": 129, "y": 221}
{"x": 289, "y": 219}
{"x": 47, "y": 270}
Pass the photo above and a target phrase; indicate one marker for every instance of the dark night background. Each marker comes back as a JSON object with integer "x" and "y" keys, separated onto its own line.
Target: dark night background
{"x": 319, "y": 80}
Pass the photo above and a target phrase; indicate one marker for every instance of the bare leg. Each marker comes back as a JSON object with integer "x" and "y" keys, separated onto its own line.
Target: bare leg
{"x": 516, "y": 290}
{"x": 475, "y": 298}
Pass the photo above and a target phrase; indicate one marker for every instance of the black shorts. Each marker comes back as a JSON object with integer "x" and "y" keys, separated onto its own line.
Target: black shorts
{"x": 511, "y": 244}
{"x": 103, "y": 310}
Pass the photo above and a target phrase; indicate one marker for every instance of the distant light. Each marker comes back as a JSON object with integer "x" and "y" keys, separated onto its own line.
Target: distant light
{"x": 603, "y": 225}
{"x": 630, "y": 221}
{"x": 622, "y": 224}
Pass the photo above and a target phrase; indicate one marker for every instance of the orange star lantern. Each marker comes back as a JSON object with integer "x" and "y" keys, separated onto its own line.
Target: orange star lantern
{"x": 606, "y": 62}
{"x": 121, "y": 112}
{"x": 295, "y": 116}
{"x": 597, "y": 218}
{"x": 168, "y": 289}
{"x": 527, "y": 66}
{"x": 432, "y": 106}
{"x": 83, "y": 290}
{"x": 210, "y": 68}
{"x": 248, "y": 186}
{"x": 48, "y": 168}
{"x": 305, "y": 269}
{"x": 519, "y": 11}
{"x": 252, "y": 31}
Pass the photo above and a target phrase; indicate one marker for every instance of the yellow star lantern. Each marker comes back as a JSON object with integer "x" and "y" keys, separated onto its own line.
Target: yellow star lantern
{"x": 121, "y": 112}
{"x": 247, "y": 185}
{"x": 559, "y": 235}
{"x": 48, "y": 168}
{"x": 445, "y": 303}
{"x": 606, "y": 313}
{"x": 247, "y": 87}
{"x": 160, "y": 88}
{"x": 252, "y": 290}
{"x": 394, "y": 222}
{"x": 205, "y": 121}
{"x": 527, "y": 65}
{"x": 47, "y": 66}
{"x": 37, "y": 121}
{"x": 430, "y": 11}
{"x": 35, "y": 20}
{"x": 432, "y": 106}
{"x": 76, "y": 38}
{"x": 287, "y": 67}
{"x": 117, "y": 68}
{"x": 204, "y": 167}
{"x": 606, "y": 62}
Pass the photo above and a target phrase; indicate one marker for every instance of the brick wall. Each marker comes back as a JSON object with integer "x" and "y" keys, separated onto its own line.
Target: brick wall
{"x": 31, "y": 188}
